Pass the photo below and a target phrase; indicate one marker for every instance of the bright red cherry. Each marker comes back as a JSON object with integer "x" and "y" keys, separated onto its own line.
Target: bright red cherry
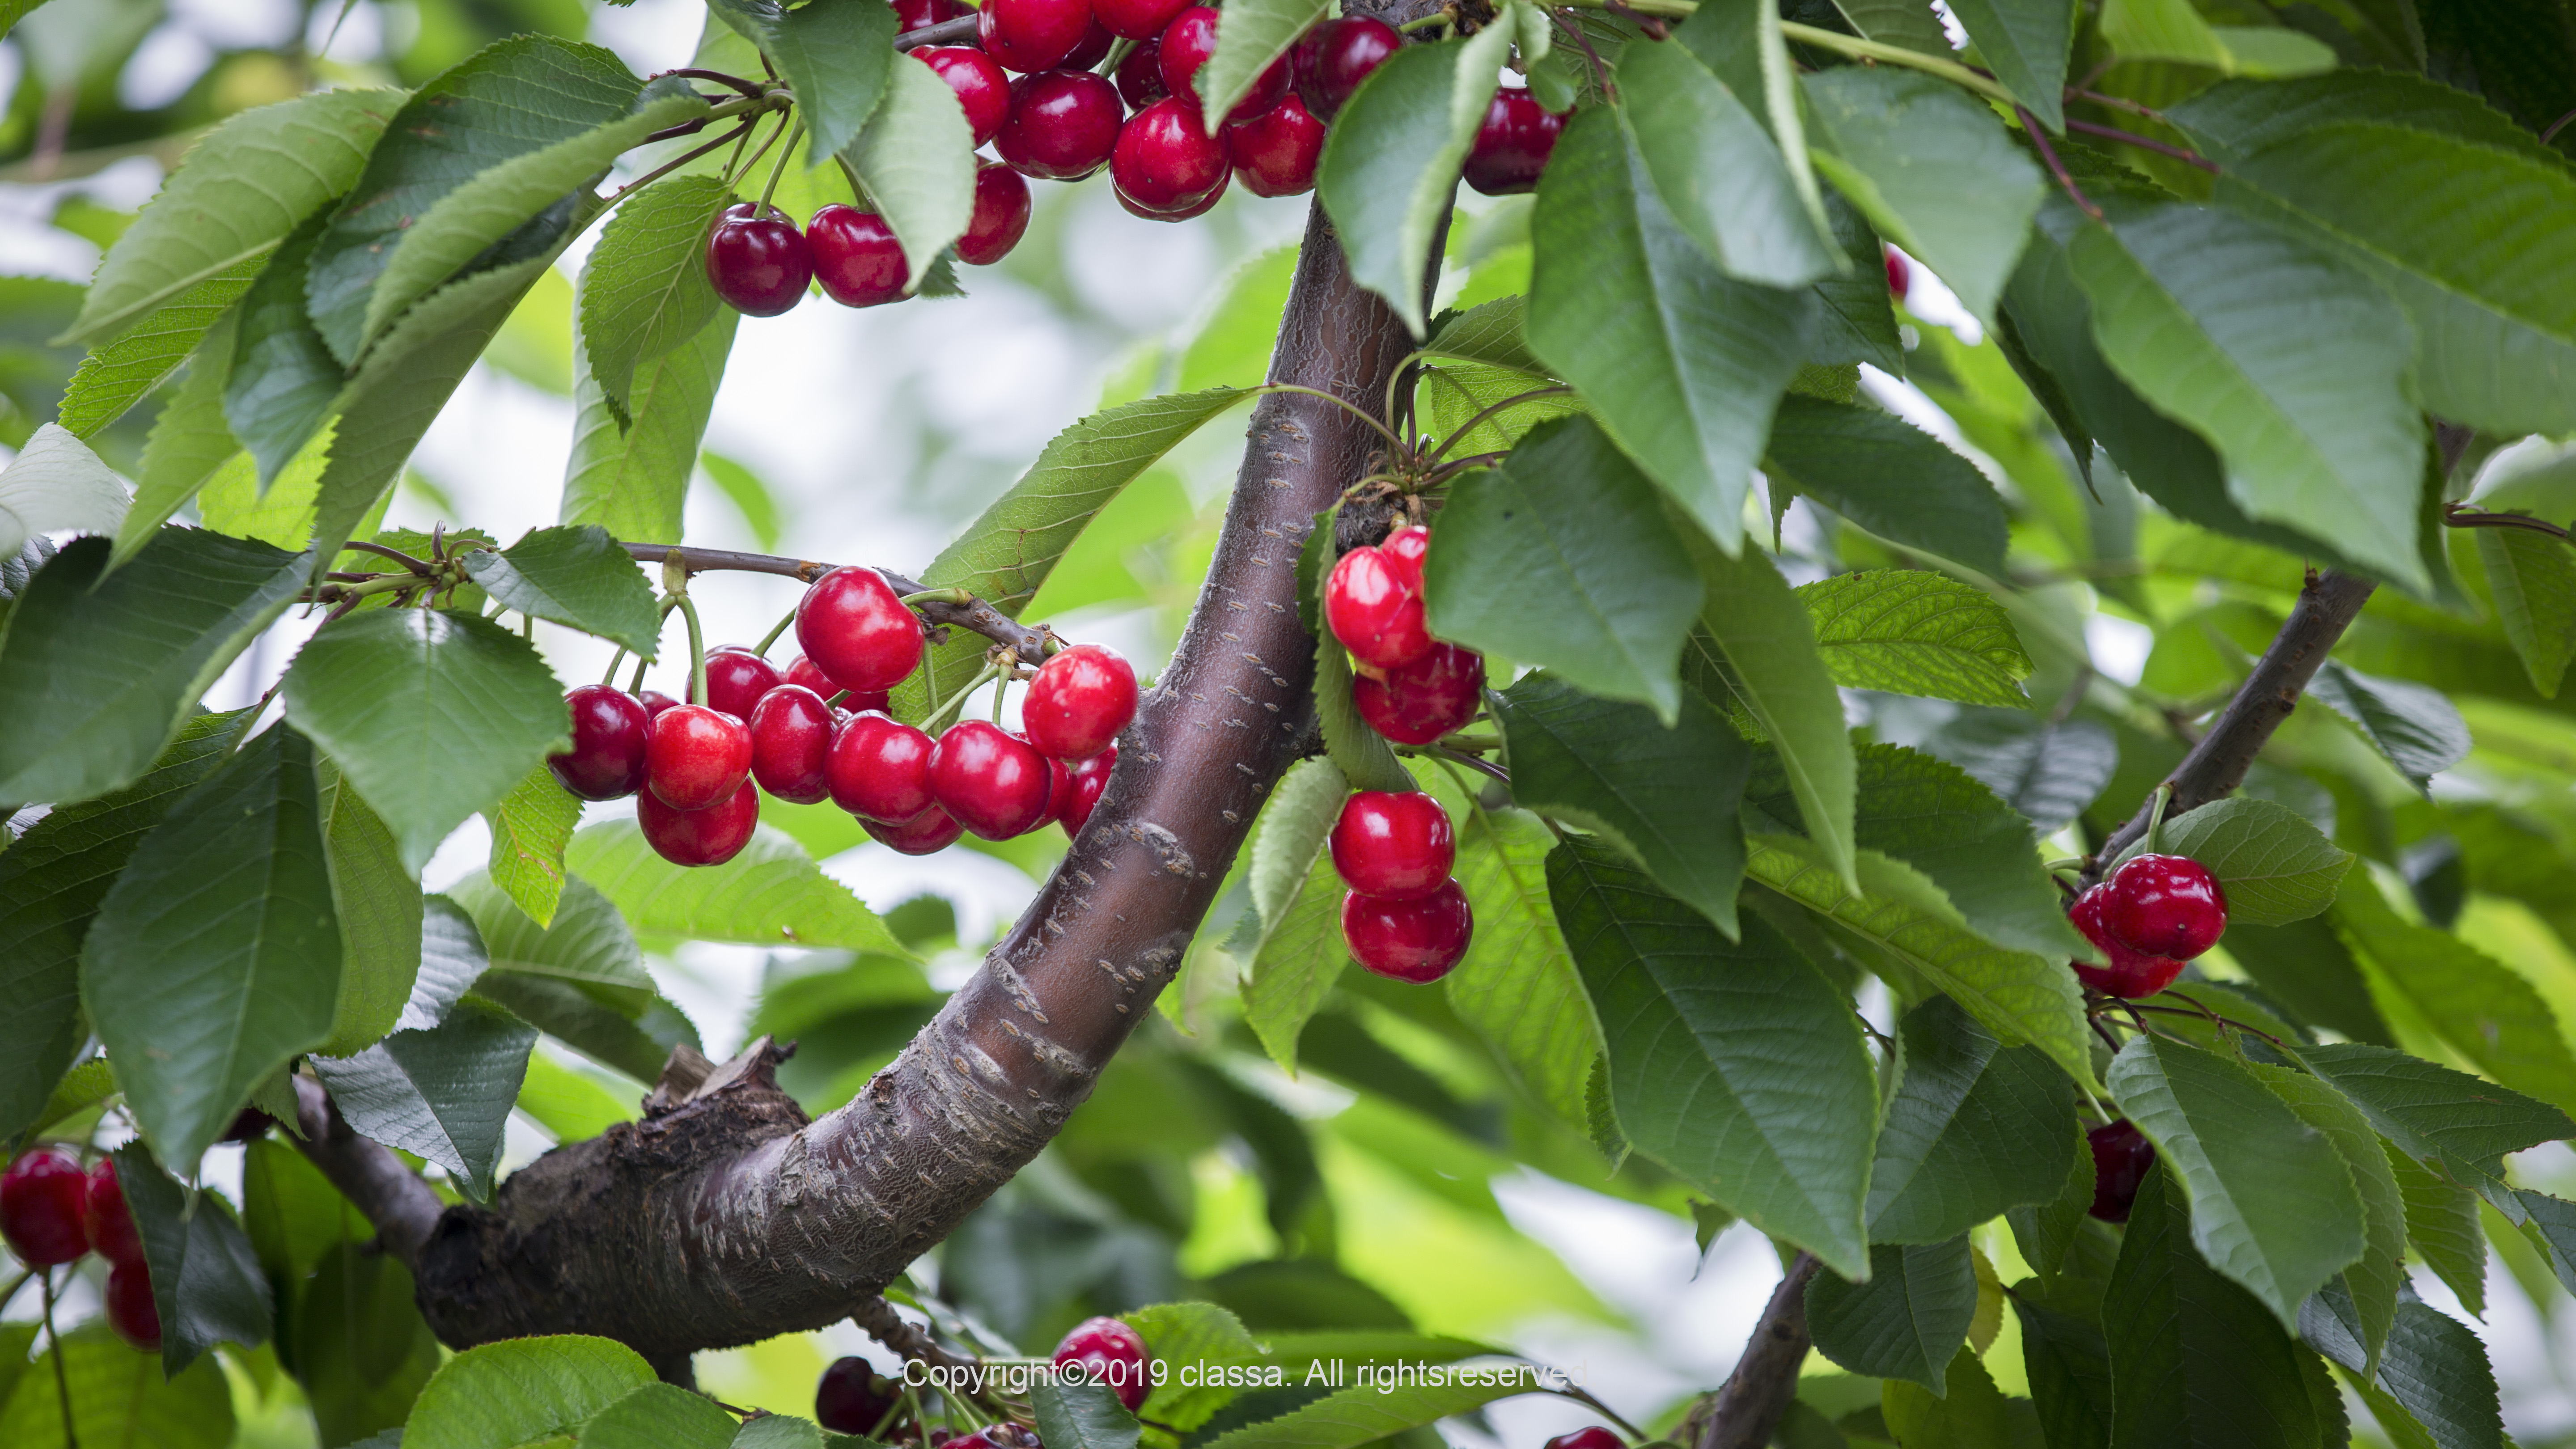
{"x": 981, "y": 86}
{"x": 1373, "y": 604}
{"x": 2121, "y": 1157}
{"x": 42, "y": 1195}
{"x": 1200, "y": 207}
{"x": 857, "y": 631}
{"x": 736, "y": 680}
{"x": 994, "y": 785}
{"x": 1900, "y": 274}
{"x": 2132, "y": 973}
{"x": 1140, "y": 76}
{"x": 1032, "y": 35}
{"x": 1001, "y": 215}
{"x": 1165, "y": 160}
{"x": 1062, "y": 127}
{"x": 1275, "y": 152}
{"x": 1188, "y": 41}
{"x": 1081, "y": 699}
{"x": 1594, "y": 1437}
{"x": 2166, "y": 905}
{"x": 105, "y": 1218}
{"x": 654, "y": 702}
{"x": 1416, "y": 940}
{"x": 804, "y": 674}
{"x": 922, "y": 14}
{"x": 791, "y": 739}
{"x": 1422, "y": 701}
{"x": 1336, "y": 56}
{"x": 931, "y": 831}
{"x": 1512, "y": 147}
{"x": 1083, "y": 789}
{"x": 1137, "y": 19}
{"x": 851, "y": 1399}
{"x": 856, "y": 256}
{"x": 1110, "y": 1353}
{"x": 130, "y": 1309}
{"x": 879, "y": 768}
{"x": 1059, "y": 792}
{"x": 695, "y": 757}
{"x": 606, "y": 761}
{"x": 1394, "y": 847}
{"x": 758, "y": 264}
{"x": 1092, "y": 50}
{"x": 699, "y": 837}
{"x": 1405, "y": 548}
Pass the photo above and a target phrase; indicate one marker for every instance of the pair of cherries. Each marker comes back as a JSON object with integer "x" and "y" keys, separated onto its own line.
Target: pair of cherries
{"x": 1404, "y": 917}
{"x": 982, "y": 778}
{"x": 1411, "y": 688}
{"x": 760, "y": 264}
{"x": 2154, "y": 914}
{"x": 851, "y": 1398}
{"x": 53, "y": 1212}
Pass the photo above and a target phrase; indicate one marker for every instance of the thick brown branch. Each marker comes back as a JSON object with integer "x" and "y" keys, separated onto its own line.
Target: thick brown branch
{"x": 1750, "y": 1403}
{"x": 392, "y": 1196}
{"x": 975, "y": 616}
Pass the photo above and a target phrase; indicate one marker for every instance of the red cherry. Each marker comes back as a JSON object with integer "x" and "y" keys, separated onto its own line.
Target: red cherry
{"x": 736, "y": 680}
{"x": 2121, "y": 1157}
{"x": 695, "y": 757}
{"x": 1275, "y": 152}
{"x": 805, "y": 675}
{"x": 1394, "y": 847}
{"x": 105, "y": 1218}
{"x": 1373, "y": 604}
{"x": 1417, "y": 940}
{"x": 1083, "y": 787}
{"x": 856, "y": 256}
{"x": 248, "y": 1125}
{"x": 1093, "y": 49}
{"x": 931, "y": 831}
{"x": 1165, "y": 160}
{"x": 699, "y": 837}
{"x": 1426, "y": 699}
{"x": 1137, "y": 19}
{"x": 2132, "y": 973}
{"x": 791, "y": 739}
{"x": 1140, "y": 76}
{"x": 2166, "y": 905}
{"x": 1336, "y": 56}
{"x": 1001, "y": 215}
{"x": 1110, "y": 1353}
{"x": 1062, "y": 127}
{"x": 1594, "y": 1437}
{"x": 994, "y": 785}
{"x": 130, "y": 1309}
{"x": 654, "y": 702}
{"x": 1059, "y": 793}
{"x": 921, "y": 14}
{"x": 851, "y": 1399}
{"x": 879, "y": 768}
{"x": 606, "y": 761}
{"x": 758, "y": 265}
{"x": 1900, "y": 274}
{"x": 1079, "y": 702}
{"x": 1405, "y": 549}
{"x": 857, "y": 631}
{"x": 1188, "y": 41}
{"x": 41, "y": 1199}
{"x": 1200, "y": 207}
{"x": 982, "y": 88}
{"x": 1032, "y": 35}
{"x": 1512, "y": 147}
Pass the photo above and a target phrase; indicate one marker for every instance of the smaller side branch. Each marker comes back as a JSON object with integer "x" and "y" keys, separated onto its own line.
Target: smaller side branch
{"x": 1750, "y": 1403}
{"x": 973, "y": 615}
{"x": 960, "y": 31}
{"x": 391, "y": 1195}
{"x": 2461, "y": 515}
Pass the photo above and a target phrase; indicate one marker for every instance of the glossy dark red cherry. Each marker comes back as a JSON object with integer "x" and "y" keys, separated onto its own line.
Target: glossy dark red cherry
{"x": 921, "y": 14}
{"x": 1062, "y": 127}
{"x": 736, "y": 680}
{"x": 804, "y": 673}
{"x": 1111, "y": 1353}
{"x": 2166, "y": 905}
{"x": 699, "y": 837}
{"x": 1900, "y": 274}
{"x": 654, "y": 702}
{"x": 105, "y": 1218}
{"x": 982, "y": 87}
{"x": 1059, "y": 791}
{"x": 1165, "y": 160}
{"x": 2122, "y": 1156}
{"x": 1137, "y": 19}
{"x": 857, "y": 631}
{"x": 851, "y": 1399}
{"x": 1336, "y": 56}
{"x": 931, "y": 831}
{"x": 1186, "y": 44}
{"x": 1373, "y": 605}
{"x": 130, "y": 1309}
{"x": 994, "y": 785}
{"x": 1200, "y": 207}
{"x": 1001, "y": 215}
{"x": 1140, "y": 76}
{"x": 1513, "y": 145}
{"x": 1396, "y": 847}
{"x": 2131, "y": 973}
{"x": 42, "y": 1195}
{"x": 1417, "y": 940}
{"x": 1032, "y": 35}
{"x": 1093, "y": 49}
{"x": 758, "y": 264}
{"x": 1594, "y": 1437}
{"x": 606, "y": 761}
{"x": 879, "y": 768}
{"x": 1083, "y": 787}
{"x": 1405, "y": 548}
{"x": 856, "y": 256}
{"x": 1275, "y": 152}
{"x": 1422, "y": 701}
{"x": 695, "y": 757}
{"x": 791, "y": 741}
{"x": 1081, "y": 699}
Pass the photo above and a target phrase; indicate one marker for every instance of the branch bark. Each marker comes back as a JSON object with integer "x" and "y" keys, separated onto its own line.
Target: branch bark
{"x": 391, "y": 1195}
{"x": 1753, "y": 1398}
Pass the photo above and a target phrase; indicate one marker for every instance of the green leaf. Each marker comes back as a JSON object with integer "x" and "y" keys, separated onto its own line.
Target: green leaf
{"x": 1933, "y": 171}
{"x": 240, "y": 190}
{"x": 1735, "y": 1064}
{"x": 666, "y": 1416}
{"x": 2436, "y": 1368}
{"x": 1363, "y": 1414}
{"x": 2373, "y": 1281}
{"x": 1518, "y": 986}
{"x": 630, "y": 465}
{"x": 451, "y": 958}
{"x": 434, "y": 714}
{"x": 1361, "y": 753}
{"x": 1291, "y": 833}
{"x": 2275, "y": 866}
{"x": 1390, "y": 170}
{"x": 206, "y": 1281}
{"x": 1857, "y": 322}
{"x": 189, "y": 444}
{"x": 2489, "y": 1013}
{"x": 835, "y": 57}
{"x": 1250, "y": 34}
{"x": 521, "y": 1390}
{"x": 1741, "y": 44}
{"x": 215, "y": 958}
{"x": 916, "y": 157}
{"x": 443, "y": 1094}
{"x": 575, "y": 575}
{"x": 530, "y": 828}
{"x": 1666, "y": 797}
{"x": 2025, "y": 43}
{"x": 1973, "y": 1127}
{"x": 121, "y": 373}
{"x": 1471, "y": 405}
{"x": 358, "y": 1345}
{"x": 379, "y": 907}
{"x": 1907, "y": 1321}
{"x": 1564, "y": 558}
{"x": 588, "y": 943}
{"x": 1489, "y": 332}
{"x": 1889, "y": 477}
{"x": 1683, "y": 365}
{"x": 1776, "y": 672}
{"x": 2415, "y": 726}
{"x": 1298, "y": 957}
{"x": 2291, "y": 364}
{"x": 1975, "y": 1413}
{"x": 119, "y": 1396}
{"x": 644, "y": 290}
{"x": 772, "y": 894}
{"x": 2533, "y": 581}
{"x": 2272, "y": 1204}
{"x": 1718, "y": 173}
{"x": 2308, "y": 969}
{"x": 2442, "y": 1225}
{"x": 57, "y": 483}
{"x": 2549, "y": 1224}
{"x": 1008, "y": 550}
{"x": 1083, "y": 1416}
{"x": 2069, "y": 1368}
{"x": 2434, "y": 1114}
{"x": 625, "y": 1039}
{"x": 281, "y": 379}
{"x": 2048, "y": 772}
{"x": 1911, "y": 631}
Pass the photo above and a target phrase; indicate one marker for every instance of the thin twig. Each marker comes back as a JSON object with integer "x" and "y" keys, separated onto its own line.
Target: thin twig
{"x": 2461, "y": 515}
{"x": 2116, "y": 103}
{"x": 2039, "y": 139}
{"x": 2147, "y": 143}
{"x": 2555, "y": 127}
{"x": 62, "y": 1377}
{"x": 418, "y": 566}
{"x": 1472, "y": 762}
{"x": 1750, "y": 1403}
{"x": 946, "y": 32}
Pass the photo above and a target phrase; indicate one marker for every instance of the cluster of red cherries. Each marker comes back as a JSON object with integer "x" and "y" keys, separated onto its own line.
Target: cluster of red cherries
{"x": 1061, "y": 120}
{"x": 53, "y": 1212}
{"x": 852, "y": 1398}
{"x": 1404, "y": 917}
{"x": 2153, "y": 915}
{"x": 821, "y": 731}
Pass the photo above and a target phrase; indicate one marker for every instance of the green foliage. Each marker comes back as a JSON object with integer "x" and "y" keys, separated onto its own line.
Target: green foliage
{"x": 2025, "y": 43}
{"x": 1773, "y": 669}
{"x": 1391, "y": 165}
{"x": 442, "y": 1093}
{"x": 1518, "y": 986}
{"x": 2533, "y": 580}
{"x": 1973, "y": 1127}
{"x": 1363, "y": 1414}
{"x": 206, "y": 1281}
{"x": 2275, "y": 866}
{"x": 631, "y": 459}
{"x": 644, "y": 290}
{"x": 1889, "y": 477}
{"x": 1720, "y": 175}
{"x": 530, "y": 828}
{"x": 1249, "y": 36}
{"x": 660, "y": 1416}
{"x": 2418, "y": 729}
{"x": 120, "y": 374}
{"x": 56, "y": 483}
{"x": 576, "y": 576}
{"x": 916, "y": 158}
{"x": 1083, "y": 1416}
{"x": 770, "y": 894}
{"x": 118, "y": 1395}
{"x": 835, "y": 56}
{"x": 2372, "y": 1283}
{"x": 521, "y": 1390}
{"x": 2488, "y": 1013}
{"x": 356, "y": 1343}
{"x": 379, "y": 908}
{"x": 1907, "y": 1321}
{"x": 1909, "y": 631}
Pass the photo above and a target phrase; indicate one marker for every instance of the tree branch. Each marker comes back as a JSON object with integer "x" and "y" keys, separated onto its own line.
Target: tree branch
{"x": 391, "y": 1195}
{"x": 1750, "y": 1403}
{"x": 975, "y": 615}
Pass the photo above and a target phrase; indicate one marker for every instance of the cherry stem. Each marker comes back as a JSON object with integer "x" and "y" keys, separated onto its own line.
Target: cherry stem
{"x": 1470, "y": 425}
{"x": 946, "y": 32}
{"x": 837, "y": 696}
{"x": 62, "y": 1379}
{"x": 731, "y": 82}
{"x": 697, "y": 652}
{"x": 2146, "y": 143}
{"x": 778, "y": 168}
{"x": 959, "y": 698}
{"x": 417, "y": 566}
{"x": 757, "y": 152}
{"x": 762, "y": 648}
{"x": 1472, "y": 762}
{"x": 683, "y": 159}
{"x": 2039, "y": 141}
{"x": 1347, "y": 406}
{"x": 613, "y": 661}
{"x": 2461, "y": 515}
{"x": 936, "y": 596}
{"x": 2156, "y": 820}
